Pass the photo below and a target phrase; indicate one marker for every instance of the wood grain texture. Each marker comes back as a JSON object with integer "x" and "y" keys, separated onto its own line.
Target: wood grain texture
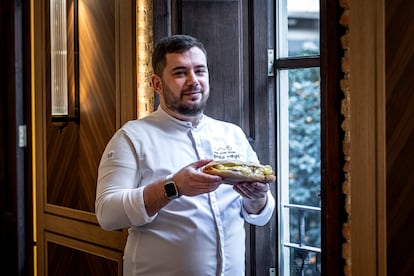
{"x": 227, "y": 46}
{"x": 67, "y": 256}
{"x": 97, "y": 87}
{"x": 400, "y": 136}
{"x": 367, "y": 138}
{"x": 75, "y": 150}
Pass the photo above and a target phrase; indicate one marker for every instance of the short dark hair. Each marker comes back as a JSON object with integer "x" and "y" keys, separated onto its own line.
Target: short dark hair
{"x": 172, "y": 44}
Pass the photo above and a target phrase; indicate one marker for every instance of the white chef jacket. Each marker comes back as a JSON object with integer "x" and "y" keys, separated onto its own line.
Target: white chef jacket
{"x": 191, "y": 236}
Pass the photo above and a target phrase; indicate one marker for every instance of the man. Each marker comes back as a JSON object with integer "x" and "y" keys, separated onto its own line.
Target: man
{"x": 181, "y": 221}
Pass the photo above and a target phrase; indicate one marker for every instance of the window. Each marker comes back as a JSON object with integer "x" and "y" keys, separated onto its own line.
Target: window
{"x": 298, "y": 136}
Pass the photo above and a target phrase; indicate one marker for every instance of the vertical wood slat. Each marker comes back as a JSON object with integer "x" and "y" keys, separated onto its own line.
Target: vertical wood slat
{"x": 367, "y": 128}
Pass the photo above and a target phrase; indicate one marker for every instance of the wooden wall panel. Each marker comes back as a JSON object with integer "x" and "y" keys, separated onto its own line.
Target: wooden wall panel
{"x": 227, "y": 46}
{"x": 70, "y": 257}
{"x": 97, "y": 90}
{"x": 74, "y": 150}
{"x": 400, "y": 136}
{"x": 62, "y": 165}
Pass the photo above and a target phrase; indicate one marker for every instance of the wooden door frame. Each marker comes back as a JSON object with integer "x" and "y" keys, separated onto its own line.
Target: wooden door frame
{"x": 367, "y": 131}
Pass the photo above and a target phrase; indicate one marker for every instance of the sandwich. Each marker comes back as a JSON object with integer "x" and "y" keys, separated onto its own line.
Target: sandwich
{"x": 234, "y": 171}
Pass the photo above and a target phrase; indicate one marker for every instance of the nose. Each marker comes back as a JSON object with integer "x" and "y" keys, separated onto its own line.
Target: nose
{"x": 192, "y": 79}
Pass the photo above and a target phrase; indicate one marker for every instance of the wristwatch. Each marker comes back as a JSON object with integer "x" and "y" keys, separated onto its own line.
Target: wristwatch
{"x": 171, "y": 190}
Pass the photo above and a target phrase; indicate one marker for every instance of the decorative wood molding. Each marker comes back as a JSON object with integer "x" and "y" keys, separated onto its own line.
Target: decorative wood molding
{"x": 363, "y": 108}
{"x": 126, "y": 67}
{"x": 71, "y": 253}
{"x": 38, "y": 102}
{"x": 85, "y": 232}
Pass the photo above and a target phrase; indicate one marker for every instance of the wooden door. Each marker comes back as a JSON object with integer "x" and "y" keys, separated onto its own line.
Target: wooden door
{"x": 69, "y": 239}
{"x": 236, "y": 35}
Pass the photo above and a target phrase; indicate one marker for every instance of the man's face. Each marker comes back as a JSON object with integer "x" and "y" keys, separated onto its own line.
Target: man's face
{"x": 184, "y": 87}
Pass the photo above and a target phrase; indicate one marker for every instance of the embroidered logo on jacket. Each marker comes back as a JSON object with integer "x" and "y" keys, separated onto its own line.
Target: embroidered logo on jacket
{"x": 225, "y": 152}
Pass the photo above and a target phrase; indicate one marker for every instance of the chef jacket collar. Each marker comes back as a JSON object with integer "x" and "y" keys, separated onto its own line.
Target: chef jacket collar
{"x": 180, "y": 122}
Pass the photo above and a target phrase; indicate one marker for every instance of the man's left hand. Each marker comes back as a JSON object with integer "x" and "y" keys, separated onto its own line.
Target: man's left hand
{"x": 254, "y": 195}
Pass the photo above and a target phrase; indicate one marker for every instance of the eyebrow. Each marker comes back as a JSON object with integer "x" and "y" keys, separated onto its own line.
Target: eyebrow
{"x": 179, "y": 68}
{"x": 185, "y": 67}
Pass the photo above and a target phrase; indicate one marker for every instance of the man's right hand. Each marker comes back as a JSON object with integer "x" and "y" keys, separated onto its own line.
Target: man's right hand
{"x": 191, "y": 181}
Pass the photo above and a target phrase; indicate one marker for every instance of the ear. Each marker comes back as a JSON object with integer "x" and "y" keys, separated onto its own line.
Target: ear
{"x": 156, "y": 83}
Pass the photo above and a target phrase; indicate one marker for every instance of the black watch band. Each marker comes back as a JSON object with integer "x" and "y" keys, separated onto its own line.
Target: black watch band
{"x": 170, "y": 188}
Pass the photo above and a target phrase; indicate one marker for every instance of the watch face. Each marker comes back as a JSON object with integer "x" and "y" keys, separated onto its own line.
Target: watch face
{"x": 170, "y": 190}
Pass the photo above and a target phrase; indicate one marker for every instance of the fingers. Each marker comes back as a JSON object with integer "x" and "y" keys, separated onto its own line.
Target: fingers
{"x": 191, "y": 181}
{"x": 203, "y": 177}
{"x": 254, "y": 190}
{"x": 201, "y": 163}
{"x": 192, "y": 187}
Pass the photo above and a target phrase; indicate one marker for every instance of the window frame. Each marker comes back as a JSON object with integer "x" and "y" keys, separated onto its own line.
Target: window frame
{"x": 333, "y": 214}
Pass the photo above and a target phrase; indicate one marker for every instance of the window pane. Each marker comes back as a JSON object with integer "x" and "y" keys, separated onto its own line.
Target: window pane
{"x": 299, "y": 176}
{"x": 304, "y": 137}
{"x": 304, "y": 263}
{"x": 298, "y": 23}
{"x": 305, "y": 227}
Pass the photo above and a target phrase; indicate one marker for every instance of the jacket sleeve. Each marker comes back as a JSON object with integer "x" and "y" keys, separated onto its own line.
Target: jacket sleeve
{"x": 119, "y": 201}
{"x": 264, "y": 216}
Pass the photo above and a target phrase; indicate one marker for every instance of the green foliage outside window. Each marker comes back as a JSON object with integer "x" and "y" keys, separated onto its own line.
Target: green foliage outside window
{"x": 305, "y": 166}
{"x": 304, "y": 136}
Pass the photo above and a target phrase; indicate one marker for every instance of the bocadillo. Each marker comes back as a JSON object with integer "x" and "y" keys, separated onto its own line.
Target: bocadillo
{"x": 235, "y": 171}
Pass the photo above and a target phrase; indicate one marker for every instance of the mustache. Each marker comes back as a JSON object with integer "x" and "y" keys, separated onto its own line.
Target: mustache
{"x": 193, "y": 89}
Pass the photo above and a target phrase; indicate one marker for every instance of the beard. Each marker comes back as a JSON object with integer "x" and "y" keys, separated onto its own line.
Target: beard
{"x": 177, "y": 105}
